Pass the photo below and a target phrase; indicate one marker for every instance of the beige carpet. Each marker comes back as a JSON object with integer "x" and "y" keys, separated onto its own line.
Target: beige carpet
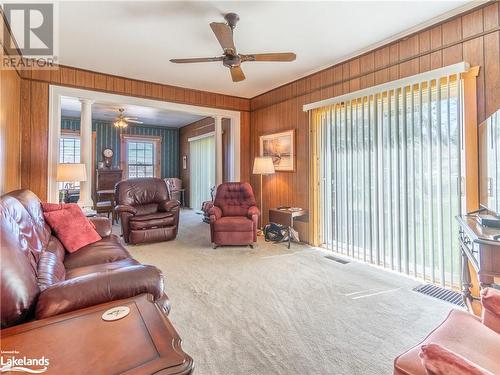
{"x": 277, "y": 311}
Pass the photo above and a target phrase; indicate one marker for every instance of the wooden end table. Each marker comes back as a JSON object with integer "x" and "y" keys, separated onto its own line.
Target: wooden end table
{"x": 81, "y": 342}
{"x": 285, "y": 217}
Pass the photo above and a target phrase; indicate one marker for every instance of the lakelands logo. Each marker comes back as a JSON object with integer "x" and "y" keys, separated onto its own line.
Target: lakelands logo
{"x": 30, "y": 30}
{"x": 12, "y": 361}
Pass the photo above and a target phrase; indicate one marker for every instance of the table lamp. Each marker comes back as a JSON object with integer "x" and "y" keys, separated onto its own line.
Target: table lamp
{"x": 71, "y": 172}
{"x": 262, "y": 165}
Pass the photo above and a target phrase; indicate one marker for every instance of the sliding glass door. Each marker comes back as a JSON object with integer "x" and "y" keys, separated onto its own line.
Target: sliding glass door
{"x": 389, "y": 168}
{"x": 202, "y": 169}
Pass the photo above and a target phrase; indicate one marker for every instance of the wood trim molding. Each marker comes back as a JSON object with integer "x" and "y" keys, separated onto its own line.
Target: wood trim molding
{"x": 471, "y": 139}
{"x": 314, "y": 211}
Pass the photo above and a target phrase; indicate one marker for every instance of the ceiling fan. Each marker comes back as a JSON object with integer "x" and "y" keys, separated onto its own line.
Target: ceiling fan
{"x": 122, "y": 121}
{"x": 231, "y": 59}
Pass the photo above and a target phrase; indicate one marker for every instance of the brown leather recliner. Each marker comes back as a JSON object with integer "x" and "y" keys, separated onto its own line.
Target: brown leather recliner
{"x": 40, "y": 279}
{"x": 146, "y": 212}
{"x": 234, "y": 216}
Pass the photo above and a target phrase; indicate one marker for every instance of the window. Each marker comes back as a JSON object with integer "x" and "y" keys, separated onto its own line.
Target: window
{"x": 140, "y": 159}
{"x": 389, "y": 172}
{"x": 69, "y": 149}
{"x": 141, "y": 156}
{"x": 69, "y": 152}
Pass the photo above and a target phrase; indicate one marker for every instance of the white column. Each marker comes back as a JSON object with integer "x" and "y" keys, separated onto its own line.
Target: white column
{"x": 86, "y": 152}
{"x": 218, "y": 150}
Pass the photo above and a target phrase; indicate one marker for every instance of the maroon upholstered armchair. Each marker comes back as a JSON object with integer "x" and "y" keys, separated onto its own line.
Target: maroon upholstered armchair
{"x": 234, "y": 216}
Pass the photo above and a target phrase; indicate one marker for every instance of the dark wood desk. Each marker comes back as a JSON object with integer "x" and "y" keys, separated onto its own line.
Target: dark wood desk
{"x": 143, "y": 342}
{"x": 298, "y": 220}
{"x": 480, "y": 249}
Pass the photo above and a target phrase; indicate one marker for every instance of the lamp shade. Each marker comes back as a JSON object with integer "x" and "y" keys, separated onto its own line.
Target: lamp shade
{"x": 70, "y": 172}
{"x": 263, "y": 165}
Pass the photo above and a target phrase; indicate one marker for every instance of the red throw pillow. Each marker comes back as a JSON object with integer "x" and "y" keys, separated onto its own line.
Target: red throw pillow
{"x": 441, "y": 361}
{"x": 70, "y": 225}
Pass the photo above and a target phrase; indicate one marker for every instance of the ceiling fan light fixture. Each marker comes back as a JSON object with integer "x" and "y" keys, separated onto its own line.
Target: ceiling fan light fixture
{"x": 120, "y": 123}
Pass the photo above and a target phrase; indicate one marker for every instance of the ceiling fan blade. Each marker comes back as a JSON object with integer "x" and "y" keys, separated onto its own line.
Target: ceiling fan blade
{"x": 224, "y": 35}
{"x": 285, "y": 56}
{"x": 237, "y": 74}
{"x": 196, "y": 60}
{"x": 135, "y": 121}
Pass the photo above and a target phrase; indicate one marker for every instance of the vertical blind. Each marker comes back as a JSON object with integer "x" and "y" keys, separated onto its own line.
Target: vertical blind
{"x": 389, "y": 178}
{"x": 202, "y": 170}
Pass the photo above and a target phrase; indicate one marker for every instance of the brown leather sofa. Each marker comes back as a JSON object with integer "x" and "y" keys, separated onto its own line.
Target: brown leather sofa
{"x": 146, "y": 212}
{"x": 40, "y": 279}
{"x": 234, "y": 216}
{"x": 475, "y": 339}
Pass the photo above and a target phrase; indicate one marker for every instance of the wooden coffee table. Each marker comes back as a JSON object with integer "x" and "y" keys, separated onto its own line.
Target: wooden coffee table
{"x": 81, "y": 342}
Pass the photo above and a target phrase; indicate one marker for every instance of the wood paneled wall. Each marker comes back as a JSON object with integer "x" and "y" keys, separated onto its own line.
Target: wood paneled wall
{"x": 473, "y": 37}
{"x": 194, "y": 129}
{"x": 35, "y": 101}
{"x": 10, "y": 130}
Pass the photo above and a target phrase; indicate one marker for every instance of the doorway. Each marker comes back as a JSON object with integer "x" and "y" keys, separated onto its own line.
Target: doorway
{"x": 202, "y": 169}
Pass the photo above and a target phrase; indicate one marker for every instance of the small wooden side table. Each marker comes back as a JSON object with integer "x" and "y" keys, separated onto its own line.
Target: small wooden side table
{"x": 81, "y": 342}
{"x": 480, "y": 250}
{"x": 294, "y": 219}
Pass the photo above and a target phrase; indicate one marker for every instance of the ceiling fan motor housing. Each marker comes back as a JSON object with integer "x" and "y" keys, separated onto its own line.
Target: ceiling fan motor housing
{"x": 231, "y": 61}
{"x": 232, "y": 19}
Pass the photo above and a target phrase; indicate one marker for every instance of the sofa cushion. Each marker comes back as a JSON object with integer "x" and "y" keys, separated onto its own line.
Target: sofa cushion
{"x": 70, "y": 225}
{"x": 490, "y": 299}
{"x": 106, "y": 250}
{"x": 18, "y": 283}
{"x": 155, "y": 220}
{"x": 461, "y": 333}
{"x": 438, "y": 360}
{"x": 55, "y": 246}
{"x": 33, "y": 205}
{"x": 50, "y": 270}
{"x": 233, "y": 224}
{"x": 104, "y": 267}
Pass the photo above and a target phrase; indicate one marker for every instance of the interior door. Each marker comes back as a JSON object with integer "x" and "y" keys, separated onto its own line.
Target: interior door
{"x": 202, "y": 169}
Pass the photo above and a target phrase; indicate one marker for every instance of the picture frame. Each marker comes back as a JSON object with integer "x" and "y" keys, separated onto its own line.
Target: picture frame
{"x": 281, "y": 147}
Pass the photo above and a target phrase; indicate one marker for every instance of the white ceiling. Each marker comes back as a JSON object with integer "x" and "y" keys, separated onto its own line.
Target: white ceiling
{"x": 136, "y": 39}
{"x": 70, "y": 107}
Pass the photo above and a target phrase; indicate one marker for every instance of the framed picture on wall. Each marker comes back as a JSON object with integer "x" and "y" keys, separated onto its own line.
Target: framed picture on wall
{"x": 281, "y": 147}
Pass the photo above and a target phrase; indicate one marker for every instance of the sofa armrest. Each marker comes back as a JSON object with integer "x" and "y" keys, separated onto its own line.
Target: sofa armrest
{"x": 100, "y": 287}
{"x": 170, "y": 205}
{"x": 490, "y": 299}
{"x": 253, "y": 211}
{"x": 102, "y": 225}
{"x": 122, "y": 208}
{"x": 215, "y": 213}
{"x": 438, "y": 360}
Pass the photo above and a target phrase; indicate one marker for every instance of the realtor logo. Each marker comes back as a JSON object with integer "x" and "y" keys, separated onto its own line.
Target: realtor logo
{"x": 10, "y": 363}
{"x": 32, "y": 26}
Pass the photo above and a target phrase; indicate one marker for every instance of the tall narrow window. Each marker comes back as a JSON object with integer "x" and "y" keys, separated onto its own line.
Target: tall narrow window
{"x": 141, "y": 156}
{"x": 389, "y": 170}
{"x": 69, "y": 152}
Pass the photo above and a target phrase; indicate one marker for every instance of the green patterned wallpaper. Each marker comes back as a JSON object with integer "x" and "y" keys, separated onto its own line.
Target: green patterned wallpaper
{"x": 107, "y": 136}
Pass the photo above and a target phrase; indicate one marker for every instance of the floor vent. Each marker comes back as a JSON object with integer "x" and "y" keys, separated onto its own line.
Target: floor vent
{"x": 435, "y": 291}
{"x": 335, "y": 259}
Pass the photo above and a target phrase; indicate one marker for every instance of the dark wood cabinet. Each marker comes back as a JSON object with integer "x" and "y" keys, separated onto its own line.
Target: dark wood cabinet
{"x": 480, "y": 250}
{"x": 104, "y": 193}
{"x": 106, "y": 179}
